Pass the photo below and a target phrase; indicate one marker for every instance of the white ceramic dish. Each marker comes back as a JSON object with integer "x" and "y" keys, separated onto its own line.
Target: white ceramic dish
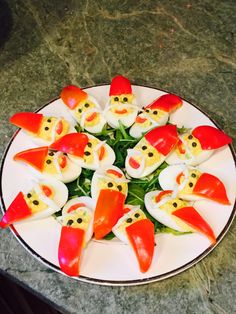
{"x": 111, "y": 262}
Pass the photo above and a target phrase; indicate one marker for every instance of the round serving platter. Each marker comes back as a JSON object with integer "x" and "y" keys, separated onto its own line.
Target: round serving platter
{"x": 112, "y": 262}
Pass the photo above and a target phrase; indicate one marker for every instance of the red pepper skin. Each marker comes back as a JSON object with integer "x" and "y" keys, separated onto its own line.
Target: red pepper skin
{"x": 73, "y": 143}
{"x": 168, "y": 103}
{"x": 211, "y": 187}
{"x": 18, "y": 210}
{"x": 191, "y": 217}
{"x": 141, "y": 237}
{"x": 29, "y": 121}
{"x": 109, "y": 208}
{"x": 35, "y": 157}
{"x": 72, "y": 96}
{"x": 120, "y": 85}
{"x": 70, "y": 249}
{"x": 210, "y": 137}
{"x": 163, "y": 138}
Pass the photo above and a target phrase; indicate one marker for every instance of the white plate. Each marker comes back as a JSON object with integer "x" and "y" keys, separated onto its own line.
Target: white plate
{"x": 111, "y": 262}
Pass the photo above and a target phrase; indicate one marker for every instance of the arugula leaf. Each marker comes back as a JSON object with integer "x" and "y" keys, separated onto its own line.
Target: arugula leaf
{"x": 109, "y": 236}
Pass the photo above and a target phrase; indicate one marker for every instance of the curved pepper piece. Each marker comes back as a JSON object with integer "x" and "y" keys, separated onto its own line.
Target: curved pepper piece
{"x": 29, "y": 121}
{"x": 70, "y": 249}
{"x": 211, "y": 187}
{"x": 163, "y": 138}
{"x": 72, "y": 96}
{"x": 211, "y": 137}
{"x": 17, "y": 210}
{"x": 141, "y": 237}
{"x": 120, "y": 85}
{"x": 168, "y": 103}
{"x": 109, "y": 208}
{"x": 73, "y": 143}
{"x": 190, "y": 216}
{"x": 34, "y": 157}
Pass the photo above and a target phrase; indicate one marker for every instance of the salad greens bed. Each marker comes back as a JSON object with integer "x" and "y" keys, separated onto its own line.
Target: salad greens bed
{"x": 120, "y": 141}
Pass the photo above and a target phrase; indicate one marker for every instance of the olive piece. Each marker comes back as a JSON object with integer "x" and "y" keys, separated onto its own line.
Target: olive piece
{"x": 129, "y": 220}
{"x": 190, "y": 184}
{"x": 46, "y": 128}
{"x": 119, "y": 187}
{"x": 190, "y": 137}
{"x": 110, "y": 184}
{"x": 79, "y": 110}
{"x": 86, "y": 105}
{"x": 51, "y": 154}
{"x": 147, "y": 110}
{"x": 155, "y": 112}
{"x": 70, "y": 222}
{"x": 48, "y": 161}
{"x": 150, "y": 154}
{"x": 35, "y": 202}
{"x": 193, "y": 175}
{"x": 89, "y": 144}
{"x": 144, "y": 147}
{"x": 49, "y": 120}
{"x": 29, "y": 195}
{"x": 125, "y": 99}
{"x": 116, "y": 98}
{"x": 79, "y": 220}
{"x": 87, "y": 153}
{"x": 136, "y": 215}
{"x": 194, "y": 144}
{"x": 175, "y": 204}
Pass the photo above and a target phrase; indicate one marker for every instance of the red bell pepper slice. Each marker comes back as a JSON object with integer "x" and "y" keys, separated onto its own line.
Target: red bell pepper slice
{"x": 211, "y": 137}
{"x": 17, "y": 211}
{"x": 123, "y": 111}
{"x": 168, "y": 103}
{"x": 178, "y": 178}
{"x": 140, "y": 119}
{"x": 141, "y": 237}
{"x": 101, "y": 153}
{"x": 190, "y": 216}
{"x": 211, "y": 187}
{"x": 115, "y": 173}
{"x": 133, "y": 163}
{"x": 59, "y": 127}
{"x": 162, "y": 194}
{"x": 29, "y": 121}
{"x": 70, "y": 249}
{"x": 92, "y": 117}
{"x": 163, "y": 138}
{"x": 109, "y": 208}
{"x": 73, "y": 143}
{"x": 75, "y": 206}
{"x": 62, "y": 161}
{"x": 181, "y": 147}
{"x": 35, "y": 157}
{"x": 46, "y": 190}
{"x": 72, "y": 96}
{"x": 120, "y": 85}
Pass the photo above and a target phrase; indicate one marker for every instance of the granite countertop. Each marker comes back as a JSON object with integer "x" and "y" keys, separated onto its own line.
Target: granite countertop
{"x": 183, "y": 46}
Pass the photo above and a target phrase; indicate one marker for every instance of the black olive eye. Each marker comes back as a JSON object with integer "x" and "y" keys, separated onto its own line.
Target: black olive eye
{"x": 29, "y": 195}
{"x": 79, "y": 110}
{"x": 175, "y": 204}
{"x": 51, "y": 154}
{"x": 150, "y": 154}
{"x": 147, "y": 110}
{"x": 79, "y": 220}
{"x": 86, "y": 105}
{"x": 136, "y": 215}
{"x": 48, "y": 161}
{"x": 110, "y": 184}
{"x": 193, "y": 175}
{"x": 89, "y": 144}
{"x": 190, "y": 184}
{"x": 155, "y": 112}
{"x": 46, "y": 128}
{"x": 194, "y": 144}
{"x": 35, "y": 202}
{"x": 49, "y": 120}
{"x": 119, "y": 187}
{"x": 87, "y": 153}
{"x": 70, "y": 222}
{"x": 144, "y": 147}
{"x": 190, "y": 137}
{"x": 125, "y": 99}
{"x": 129, "y": 220}
{"x": 116, "y": 98}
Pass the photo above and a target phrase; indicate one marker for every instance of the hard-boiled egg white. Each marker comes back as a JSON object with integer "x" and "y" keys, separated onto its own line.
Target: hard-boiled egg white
{"x": 129, "y": 218}
{"x": 78, "y": 213}
{"x": 89, "y": 115}
{"x": 162, "y": 209}
{"x": 45, "y": 197}
{"x": 143, "y": 159}
{"x": 97, "y": 154}
{"x": 110, "y": 177}
{"x": 189, "y": 152}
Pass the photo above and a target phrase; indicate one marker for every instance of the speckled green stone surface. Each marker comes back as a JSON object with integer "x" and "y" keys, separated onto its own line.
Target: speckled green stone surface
{"x": 185, "y": 47}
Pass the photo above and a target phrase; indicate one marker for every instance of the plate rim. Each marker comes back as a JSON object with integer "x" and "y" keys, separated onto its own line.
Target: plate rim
{"x": 106, "y": 282}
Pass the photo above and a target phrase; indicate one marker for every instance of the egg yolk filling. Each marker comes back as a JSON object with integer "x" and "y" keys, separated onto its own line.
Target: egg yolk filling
{"x": 92, "y": 119}
{"x": 49, "y": 164}
{"x": 131, "y": 218}
{"x": 90, "y": 151}
{"x": 34, "y": 202}
{"x": 50, "y": 125}
{"x": 193, "y": 145}
{"x": 82, "y": 107}
{"x": 149, "y": 153}
{"x": 104, "y": 184}
{"x": 155, "y": 114}
{"x": 194, "y": 175}
{"x": 123, "y": 98}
